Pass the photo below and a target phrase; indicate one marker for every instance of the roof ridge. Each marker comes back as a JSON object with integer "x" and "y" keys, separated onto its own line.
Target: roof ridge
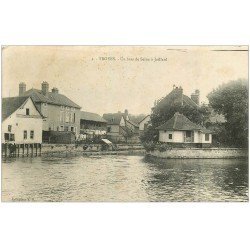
{"x": 175, "y": 118}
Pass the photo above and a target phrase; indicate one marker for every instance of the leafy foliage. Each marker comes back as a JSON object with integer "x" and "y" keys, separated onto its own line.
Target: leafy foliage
{"x": 161, "y": 115}
{"x": 231, "y": 100}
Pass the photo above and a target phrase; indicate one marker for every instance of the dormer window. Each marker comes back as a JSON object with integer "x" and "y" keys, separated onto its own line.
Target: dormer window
{"x": 27, "y": 111}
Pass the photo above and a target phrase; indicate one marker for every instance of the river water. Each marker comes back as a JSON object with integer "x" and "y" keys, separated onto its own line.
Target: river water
{"x": 123, "y": 178}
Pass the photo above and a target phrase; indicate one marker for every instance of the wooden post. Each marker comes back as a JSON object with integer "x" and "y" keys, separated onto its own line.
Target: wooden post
{"x": 23, "y": 149}
{"x": 18, "y": 148}
{"x": 40, "y": 148}
{"x": 27, "y": 146}
{"x": 8, "y": 150}
{"x": 5, "y": 149}
{"x": 36, "y": 149}
{"x": 32, "y": 145}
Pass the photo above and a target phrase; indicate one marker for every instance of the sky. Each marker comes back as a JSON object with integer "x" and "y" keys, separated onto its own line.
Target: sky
{"x": 106, "y": 79}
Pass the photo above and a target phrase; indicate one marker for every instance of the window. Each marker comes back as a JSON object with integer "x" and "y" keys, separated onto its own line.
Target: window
{"x": 206, "y": 137}
{"x": 71, "y": 117}
{"x": 9, "y": 137}
{"x": 62, "y": 128}
{"x": 61, "y": 116}
{"x": 25, "y": 134}
{"x": 170, "y": 136}
{"x": 72, "y": 129}
{"x": 32, "y": 134}
{"x": 188, "y": 133}
{"x": 109, "y": 129}
{"x": 9, "y": 128}
{"x": 67, "y": 117}
{"x": 12, "y": 137}
{"x": 66, "y": 128}
{"x": 6, "y": 136}
{"x": 27, "y": 111}
{"x": 74, "y": 118}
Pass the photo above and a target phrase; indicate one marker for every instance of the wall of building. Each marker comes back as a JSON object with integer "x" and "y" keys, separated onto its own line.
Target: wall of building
{"x": 114, "y": 129}
{"x": 178, "y": 137}
{"x": 20, "y": 122}
{"x": 93, "y": 126}
{"x": 204, "y": 153}
{"x": 59, "y": 118}
{"x": 143, "y": 123}
{"x": 203, "y": 138}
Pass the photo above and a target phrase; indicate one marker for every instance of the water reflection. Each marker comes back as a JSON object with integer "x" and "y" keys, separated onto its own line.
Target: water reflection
{"x": 123, "y": 178}
{"x": 198, "y": 180}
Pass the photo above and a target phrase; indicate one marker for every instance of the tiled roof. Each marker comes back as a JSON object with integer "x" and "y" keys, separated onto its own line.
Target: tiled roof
{"x": 88, "y": 116}
{"x": 144, "y": 118}
{"x": 133, "y": 123}
{"x": 171, "y": 98}
{"x": 51, "y": 98}
{"x": 11, "y": 104}
{"x": 113, "y": 119}
{"x": 181, "y": 122}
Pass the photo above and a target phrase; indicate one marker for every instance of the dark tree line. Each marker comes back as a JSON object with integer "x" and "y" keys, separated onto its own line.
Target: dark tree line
{"x": 231, "y": 100}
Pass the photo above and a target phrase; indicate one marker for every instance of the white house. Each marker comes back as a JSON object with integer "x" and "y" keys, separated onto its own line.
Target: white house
{"x": 179, "y": 129}
{"x": 21, "y": 121}
{"x": 143, "y": 124}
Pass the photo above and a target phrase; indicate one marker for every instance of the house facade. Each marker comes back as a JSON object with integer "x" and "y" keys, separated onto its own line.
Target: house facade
{"x": 21, "y": 121}
{"x": 92, "y": 125}
{"x": 179, "y": 129}
{"x": 120, "y": 128}
{"x": 143, "y": 124}
{"x": 60, "y": 113}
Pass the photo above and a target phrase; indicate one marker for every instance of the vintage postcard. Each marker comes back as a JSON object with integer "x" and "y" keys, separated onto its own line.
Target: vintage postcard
{"x": 124, "y": 123}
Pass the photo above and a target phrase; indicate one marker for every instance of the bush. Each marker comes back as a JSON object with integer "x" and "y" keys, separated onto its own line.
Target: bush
{"x": 163, "y": 147}
{"x": 149, "y": 146}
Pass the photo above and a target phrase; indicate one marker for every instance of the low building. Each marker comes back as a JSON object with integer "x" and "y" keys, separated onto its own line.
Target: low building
{"x": 92, "y": 125}
{"x": 179, "y": 129}
{"x": 143, "y": 124}
{"x": 120, "y": 128}
{"x": 21, "y": 121}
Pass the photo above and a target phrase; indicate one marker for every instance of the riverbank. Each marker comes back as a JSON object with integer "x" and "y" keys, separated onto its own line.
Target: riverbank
{"x": 60, "y": 149}
{"x": 200, "y": 153}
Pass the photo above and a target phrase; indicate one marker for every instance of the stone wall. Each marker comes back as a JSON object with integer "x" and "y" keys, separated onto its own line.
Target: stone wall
{"x": 201, "y": 153}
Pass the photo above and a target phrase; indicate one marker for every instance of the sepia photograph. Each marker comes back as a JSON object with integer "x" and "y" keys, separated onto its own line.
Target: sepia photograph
{"x": 125, "y": 123}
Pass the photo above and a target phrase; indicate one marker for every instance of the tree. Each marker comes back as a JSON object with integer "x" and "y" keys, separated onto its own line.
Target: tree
{"x": 162, "y": 114}
{"x": 231, "y": 100}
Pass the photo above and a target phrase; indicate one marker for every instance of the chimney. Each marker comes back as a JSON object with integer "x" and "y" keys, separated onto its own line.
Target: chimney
{"x": 55, "y": 90}
{"x": 178, "y": 95}
{"x": 45, "y": 88}
{"x": 22, "y": 88}
{"x": 126, "y": 112}
{"x": 196, "y": 96}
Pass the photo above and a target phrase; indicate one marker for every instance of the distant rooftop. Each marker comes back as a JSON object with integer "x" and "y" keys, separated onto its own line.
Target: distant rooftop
{"x": 88, "y": 116}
